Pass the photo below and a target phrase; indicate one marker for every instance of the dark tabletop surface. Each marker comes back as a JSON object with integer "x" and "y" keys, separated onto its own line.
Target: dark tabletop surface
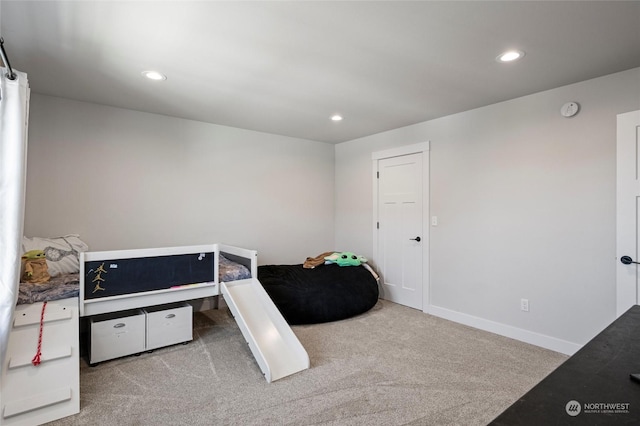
{"x": 590, "y": 388}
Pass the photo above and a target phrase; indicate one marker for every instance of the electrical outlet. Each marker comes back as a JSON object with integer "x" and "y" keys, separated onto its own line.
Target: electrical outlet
{"x": 524, "y": 305}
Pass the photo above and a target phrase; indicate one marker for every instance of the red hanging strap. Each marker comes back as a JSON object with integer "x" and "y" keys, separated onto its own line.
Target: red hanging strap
{"x": 36, "y": 359}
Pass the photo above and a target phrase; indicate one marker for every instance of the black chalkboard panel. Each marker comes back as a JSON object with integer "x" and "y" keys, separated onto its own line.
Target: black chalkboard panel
{"x": 106, "y": 278}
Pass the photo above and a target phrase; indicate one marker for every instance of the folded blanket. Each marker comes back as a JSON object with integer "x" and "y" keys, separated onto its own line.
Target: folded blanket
{"x": 312, "y": 262}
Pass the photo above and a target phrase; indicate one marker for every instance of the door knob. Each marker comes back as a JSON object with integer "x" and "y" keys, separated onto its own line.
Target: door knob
{"x": 627, "y": 260}
{"x": 415, "y": 239}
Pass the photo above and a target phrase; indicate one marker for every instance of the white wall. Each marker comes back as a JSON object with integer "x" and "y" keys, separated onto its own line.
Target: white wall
{"x": 526, "y": 205}
{"x": 125, "y": 179}
{"x": 525, "y": 198}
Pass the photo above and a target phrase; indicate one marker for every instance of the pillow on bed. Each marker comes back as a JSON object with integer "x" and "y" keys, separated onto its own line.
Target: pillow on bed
{"x": 62, "y": 253}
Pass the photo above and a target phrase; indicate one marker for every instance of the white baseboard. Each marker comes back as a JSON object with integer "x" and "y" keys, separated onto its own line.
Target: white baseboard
{"x": 522, "y": 335}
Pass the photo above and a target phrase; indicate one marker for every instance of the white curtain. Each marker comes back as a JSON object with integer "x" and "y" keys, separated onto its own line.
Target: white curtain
{"x": 14, "y": 116}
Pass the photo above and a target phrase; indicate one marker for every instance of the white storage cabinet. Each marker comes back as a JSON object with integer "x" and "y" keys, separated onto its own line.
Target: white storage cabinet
{"x": 131, "y": 332}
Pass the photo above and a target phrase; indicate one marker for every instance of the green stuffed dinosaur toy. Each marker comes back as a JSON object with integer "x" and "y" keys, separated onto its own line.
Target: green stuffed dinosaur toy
{"x": 346, "y": 258}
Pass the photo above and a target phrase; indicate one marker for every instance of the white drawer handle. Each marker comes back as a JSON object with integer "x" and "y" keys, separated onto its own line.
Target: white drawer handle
{"x": 171, "y": 316}
{"x": 119, "y": 325}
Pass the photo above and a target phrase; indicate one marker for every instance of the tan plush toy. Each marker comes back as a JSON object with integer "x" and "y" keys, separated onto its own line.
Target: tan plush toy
{"x": 34, "y": 267}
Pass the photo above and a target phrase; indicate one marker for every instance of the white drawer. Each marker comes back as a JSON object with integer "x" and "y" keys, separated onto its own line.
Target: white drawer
{"x": 116, "y": 335}
{"x": 168, "y": 325}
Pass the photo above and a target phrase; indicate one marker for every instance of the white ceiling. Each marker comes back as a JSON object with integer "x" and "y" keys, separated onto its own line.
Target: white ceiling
{"x": 286, "y": 67}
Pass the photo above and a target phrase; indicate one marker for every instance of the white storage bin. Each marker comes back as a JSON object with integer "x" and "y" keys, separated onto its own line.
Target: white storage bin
{"x": 168, "y": 325}
{"x": 116, "y": 335}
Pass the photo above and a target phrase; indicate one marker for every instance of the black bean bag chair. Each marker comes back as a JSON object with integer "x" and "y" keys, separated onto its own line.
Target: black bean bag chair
{"x": 322, "y": 294}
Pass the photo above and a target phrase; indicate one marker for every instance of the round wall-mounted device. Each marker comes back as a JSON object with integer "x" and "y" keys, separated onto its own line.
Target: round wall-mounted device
{"x": 569, "y": 109}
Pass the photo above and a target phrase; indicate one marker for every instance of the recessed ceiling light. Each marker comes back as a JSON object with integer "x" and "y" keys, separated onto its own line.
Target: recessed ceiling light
{"x": 510, "y": 56}
{"x": 154, "y": 75}
{"x": 336, "y": 117}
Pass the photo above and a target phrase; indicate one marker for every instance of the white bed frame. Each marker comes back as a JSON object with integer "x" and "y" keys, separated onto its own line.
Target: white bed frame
{"x": 91, "y": 306}
{"x": 276, "y": 348}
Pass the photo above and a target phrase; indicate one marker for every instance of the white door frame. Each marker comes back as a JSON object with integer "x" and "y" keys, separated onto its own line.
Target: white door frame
{"x": 422, "y": 148}
{"x": 626, "y": 223}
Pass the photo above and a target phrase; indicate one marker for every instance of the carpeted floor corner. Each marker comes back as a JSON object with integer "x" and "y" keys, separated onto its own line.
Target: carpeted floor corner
{"x": 390, "y": 366}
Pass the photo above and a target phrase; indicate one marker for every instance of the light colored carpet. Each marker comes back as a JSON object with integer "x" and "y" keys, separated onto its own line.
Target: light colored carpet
{"x": 390, "y": 366}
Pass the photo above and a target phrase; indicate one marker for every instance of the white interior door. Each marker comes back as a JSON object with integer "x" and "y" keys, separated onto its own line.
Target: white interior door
{"x": 628, "y": 210}
{"x": 400, "y": 229}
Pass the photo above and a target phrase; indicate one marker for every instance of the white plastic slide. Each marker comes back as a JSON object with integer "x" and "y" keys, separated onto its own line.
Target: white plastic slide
{"x": 275, "y": 347}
